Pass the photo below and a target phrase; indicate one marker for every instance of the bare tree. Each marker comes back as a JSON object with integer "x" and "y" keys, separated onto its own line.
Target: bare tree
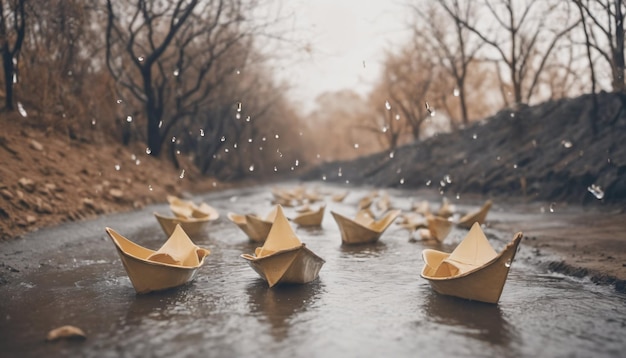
{"x": 529, "y": 41}
{"x": 12, "y": 33}
{"x": 173, "y": 47}
{"x": 603, "y": 26}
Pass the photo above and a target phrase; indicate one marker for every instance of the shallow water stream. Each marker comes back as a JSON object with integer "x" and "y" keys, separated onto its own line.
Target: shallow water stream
{"x": 369, "y": 300}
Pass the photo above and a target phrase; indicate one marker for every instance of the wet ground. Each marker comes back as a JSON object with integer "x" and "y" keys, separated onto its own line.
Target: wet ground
{"x": 368, "y": 301}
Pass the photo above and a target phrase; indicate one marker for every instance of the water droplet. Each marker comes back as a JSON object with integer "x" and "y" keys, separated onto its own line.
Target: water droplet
{"x": 507, "y": 263}
{"x": 566, "y": 143}
{"x": 391, "y": 154}
{"x": 93, "y": 122}
{"x": 324, "y": 177}
{"x": 512, "y": 115}
{"x": 458, "y": 196}
{"x": 214, "y": 184}
{"x": 182, "y": 174}
{"x": 260, "y": 148}
{"x": 318, "y": 156}
{"x": 456, "y": 92}
{"x": 385, "y": 129}
{"x": 148, "y": 150}
{"x": 447, "y": 178}
{"x": 401, "y": 180}
{"x": 238, "y": 72}
{"x": 133, "y": 157}
{"x": 552, "y": 207}
{"x": 597, "y": 191}
{"x": 291, "y": 168}
{"x": 248, "y": 119}
{"x": 388, "y": 105}
{"x": 21, "y": 110}
{"x": 226, "y": 150}
{"x": 238, "y": 116}
{"x": 201, "y": 132}
{"x": 514, "y": 166}
{"x": 356, "y": 145}
{"x": 397, "y": 117}
{"x": 275, "y": 169}
{"x": 137, "y": 161}
{"x": 442, "y": 183}
{"x": 264, "y": 139}
{"x": 235, "y": 145}
{"x": 173, "y": 139}
{"x": 498, "y": 158}
{"x": 118, "y": 167}
{"x": 160, "y": 124}
{"x": 119, "y": 101}
{"x": 474, "y": 136}
{"x": 129, "y": 119}
{"x": 339, "y": 173}
{"x": 399, "y": 170}
{"x": 251, "y": 168}
{"x": 297, "y": 162}
{"x": 276, "y": 136}
{"x": 223, "y": 139}
{"x": 176, "y": 72}
{"x": 150, "y": 187}
{"x": 428, "y": 183}
{"x": 140, "y": 58}
{"x": 347, "y": 181}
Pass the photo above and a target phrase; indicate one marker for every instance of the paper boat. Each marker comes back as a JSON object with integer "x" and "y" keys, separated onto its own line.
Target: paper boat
{"x": 478, "y": 216}
{"x": 256, "y": 228}
{"x": 283, "y": 258}
{"x": 437, "y": 228}
{"x": 174, "y": 264}
{"x": 423, "y": 207}
{"x": 338, "y": 197}
{"x": 310, "y": 217}
{"x": 446, "y": 210}
{"x": 412, "y": 221}
{"x": 363, "y": 229}
{"x": 188, "y": 209}
{"x": 473, "y": 271}
{"x": 193, "y": 227}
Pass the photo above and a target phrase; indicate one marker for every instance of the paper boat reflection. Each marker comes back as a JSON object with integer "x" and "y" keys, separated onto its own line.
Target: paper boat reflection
{"x": 283, "y": 258}
{"x": 174, "y": 264}
{"x": 475, "y": 217}
{"x": 473, "y": 270}
{"x": 364, "y": 228}
{"x": 255, "y": 227}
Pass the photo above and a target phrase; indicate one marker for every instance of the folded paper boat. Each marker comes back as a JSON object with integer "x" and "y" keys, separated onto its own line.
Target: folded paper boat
{"x": 363, "y": 229}
{"x": 283, "y": 259}
{"x": 188, "y": 209}
{"x": 255, "y": 227}
{"x": 473, "y": 270}
{"x": 475, "y": 217}
{"x": 174, "y": 264}
{"x": 310, "y": 217}
{"x": 194, "y": 227}
{"x": 437, "y": 228}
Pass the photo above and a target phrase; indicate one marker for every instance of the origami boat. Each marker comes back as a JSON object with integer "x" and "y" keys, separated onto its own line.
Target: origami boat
{"x": 479, "y": 216}
{"x": 194, "y": 227}
{"x": 310, "y": 217}
{"x": 446, "y": 210}
{"x": 412, "y": 221}
{"x": 437, "y": 228}
{"x": 283, "y": 258}
{"x": 174, "y": 264}
{"x": 364, "y": 228}
{"x": 188, "y": 209}
{"x": 473, "y": 271}
{"x": 255, "y": 227}
{"x": 338, "y": 197}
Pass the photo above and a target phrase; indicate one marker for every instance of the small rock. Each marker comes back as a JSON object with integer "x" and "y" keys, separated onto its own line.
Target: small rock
{"x": 6, "y": 193}
{"x": 67, "y": 332}
{"x": 30, "y": 219}
{"x": 58, "y": 196}
{"x": 117, "y": 194}
{"x": 89, "y": 203}
{"x": 36, "y": 145}
{"x": 106, "y": 183}
{"x": 20, "y": 194}
{"x": 27, "y": 184}
{"x": 43, "y": 207}
{"x": 50, "y": 187}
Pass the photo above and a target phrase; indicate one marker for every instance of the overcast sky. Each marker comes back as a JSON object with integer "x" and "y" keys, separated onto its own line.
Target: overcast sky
{"x": 347, "y": 41}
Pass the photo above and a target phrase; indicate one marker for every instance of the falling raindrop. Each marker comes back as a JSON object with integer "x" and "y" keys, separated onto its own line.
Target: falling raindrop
{"x": 140, "y": 58}
{"x": 566, "y": 143}
{"x": 93, "y": 122}
{"x": 292, "y": 168}
{"x": 397, "y": 117}
{"x": 401, "y": 180}
{"x": 399, "y": 170}
{"x": 456, "y": 92}
{"x": 514, "y": 166}
{"x": 324, "y": 177}
{"x": 137, "y": 161}
{"x": 552, "y": 207}
{"x": 238, "y": 72}
{"x": 264, "y": 139}
{"x": 507, "y": 263}
{"x": 238, "y": 116}
{"x": 428, "y": 183}
{"x": 118, "y": 101}
{"x": 385, "y": 129}
{"x": 251, "y": 168}
{"x": 447, "y": 178}
{"x": 458, "y": 196}
{"x": 276, "y": 136}
{"x": 223, "y": 139}
{"x": 249, "y": 140}
{"x": 356, "y": 145}
{"x": 260, "y": 148}
{"x": 442, "y": 183}
{"x": 238, "y": 106}
{"x": 148, "y": 150}
{"x": 150, "y": 187}
{"x": 388, "y": 105}
{"x": 182, "y": 174}
{"x": 20, "y": 108}
{"x": 275, "y": 169}
{"x": 235, "y": 145}
{"x": 201, "y": 132}
{"x": 391, "y": 154}
{"x": 498, "y": 158}
{"x": 248, "y": 119}
{"x": 133, "y": 157}
{"x": 173, "y": 139}
{"x": 318, "y": 156}
{"x": 214, "y": 184}
{"x": 512, "y": 115}
{"x": 117, "y": 167}
{"x": 474, "y": 136}
{"x": 297, "y": 162}
{"x": 160, "y": 124}
{"x": 14, "y": 78}
{"x": 597, "y": 191}
{"x": 226, "y": 150}
{"x": 339, "y": 173}
{"x": 129, "y": 119}
{"x": 176, "y": 72}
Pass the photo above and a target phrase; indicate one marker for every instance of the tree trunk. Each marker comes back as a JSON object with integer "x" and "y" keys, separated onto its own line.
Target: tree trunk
{"x": 9, "y": 71}
{"x": 618, "y": 52}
